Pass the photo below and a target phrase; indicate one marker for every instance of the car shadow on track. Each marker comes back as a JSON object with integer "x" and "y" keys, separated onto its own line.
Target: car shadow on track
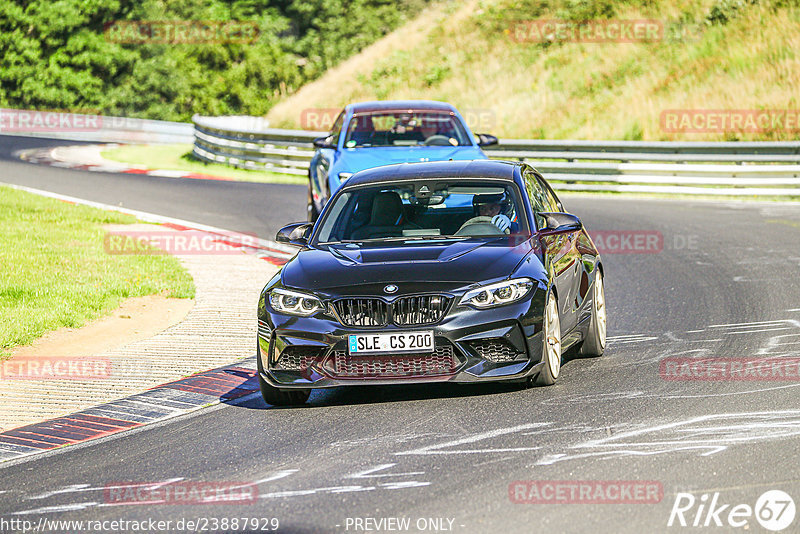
{"x": 365, "y": 394}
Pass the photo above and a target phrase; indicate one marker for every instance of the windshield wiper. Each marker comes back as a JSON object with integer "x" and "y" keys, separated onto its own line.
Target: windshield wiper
{"x": 397, "y": 238}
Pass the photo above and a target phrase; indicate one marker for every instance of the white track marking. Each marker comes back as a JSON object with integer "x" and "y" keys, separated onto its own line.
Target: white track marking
{"x": 729, "y": 394}
{"x": 759, "y": 330}
{"x": 744, "y": 325}
{"x": 78, "y": 488}
{"x": 300, "y": 493}
{"x": 67, "y": 489}
{"x": 167, "y": 173}
{"x": 55, "y": 509}
{"x": 404, "y": 485}
{"x": 437, "y": 449}
{"x": 277, "y": 476}
{"x": 625, "y": 341}
{"x": 368, "y": 473}
{"x": 707, "y": 434}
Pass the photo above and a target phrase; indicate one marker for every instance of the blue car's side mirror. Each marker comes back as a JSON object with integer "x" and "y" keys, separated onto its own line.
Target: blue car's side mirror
{"x": 324, "y": 142}
{"x": 486, "y": 140}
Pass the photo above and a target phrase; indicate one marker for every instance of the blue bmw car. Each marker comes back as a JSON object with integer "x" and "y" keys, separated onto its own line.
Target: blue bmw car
{"x": 373, "y": 134}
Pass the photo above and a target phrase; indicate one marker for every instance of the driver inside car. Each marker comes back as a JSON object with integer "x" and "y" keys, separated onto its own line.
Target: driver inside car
{"x": 494, "y": 207}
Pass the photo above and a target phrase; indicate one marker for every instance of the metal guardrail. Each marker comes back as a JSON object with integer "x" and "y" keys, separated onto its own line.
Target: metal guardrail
{"x": 723, "y": 168}
{"x": 232, "y": 141}
{"x": 727, "y": 168}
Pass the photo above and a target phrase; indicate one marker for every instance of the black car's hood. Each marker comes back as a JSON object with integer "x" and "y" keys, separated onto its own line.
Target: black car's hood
{"x": 443, "y": 264}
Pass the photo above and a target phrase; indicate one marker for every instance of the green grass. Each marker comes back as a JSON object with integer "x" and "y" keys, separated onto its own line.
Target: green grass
{"x": 179, "y": 158}
{"x": 56, "y": 273}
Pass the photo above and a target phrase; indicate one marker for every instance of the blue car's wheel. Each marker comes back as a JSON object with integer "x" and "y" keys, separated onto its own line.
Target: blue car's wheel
{"x": 311, "y": 209}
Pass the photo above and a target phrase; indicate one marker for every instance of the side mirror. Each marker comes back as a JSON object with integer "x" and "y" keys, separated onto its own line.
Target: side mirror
{"x": 324, "y": 142}
{"x": 556, "y": 223}
{"x": 486, "y": 140}
{"x": 295, "y": 234}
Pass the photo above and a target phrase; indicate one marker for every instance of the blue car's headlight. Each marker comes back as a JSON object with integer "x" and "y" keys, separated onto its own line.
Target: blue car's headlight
{"x": 294, "y": 303}
{"x": 498, "y": 294}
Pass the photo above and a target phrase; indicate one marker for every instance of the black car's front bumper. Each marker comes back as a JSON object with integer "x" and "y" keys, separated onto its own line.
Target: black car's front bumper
{"x": 502, "y": 343}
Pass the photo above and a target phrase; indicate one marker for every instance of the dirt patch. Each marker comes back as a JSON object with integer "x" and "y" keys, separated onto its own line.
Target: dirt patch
{"x": 137, "y": 318}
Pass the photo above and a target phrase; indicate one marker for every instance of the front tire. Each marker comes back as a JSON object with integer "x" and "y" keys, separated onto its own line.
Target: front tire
{"x": 282, "y": 397}
{"x": 551, "y": 344}
{"x": 595, "y": 343}
{"x": 276, "y": 396}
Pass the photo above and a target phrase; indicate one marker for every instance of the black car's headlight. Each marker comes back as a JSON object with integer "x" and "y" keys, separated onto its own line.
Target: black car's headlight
{"x": 498, "y": 294}
{"x": 294, "y": 303}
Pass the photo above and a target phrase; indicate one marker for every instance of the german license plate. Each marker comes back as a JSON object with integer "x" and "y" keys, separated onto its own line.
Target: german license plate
{"x": 394, "y": 342}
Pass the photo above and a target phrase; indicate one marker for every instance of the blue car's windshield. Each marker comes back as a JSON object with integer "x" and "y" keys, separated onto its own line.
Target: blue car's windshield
{"x": 415, "y": 128}
{"x": 423, "y": 210}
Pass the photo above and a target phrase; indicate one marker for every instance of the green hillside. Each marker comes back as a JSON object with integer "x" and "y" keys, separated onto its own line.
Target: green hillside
{"x": 482, "y": 56}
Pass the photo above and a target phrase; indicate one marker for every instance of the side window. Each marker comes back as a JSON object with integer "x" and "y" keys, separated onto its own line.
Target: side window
{"x": 536, "y": 193}
{"x": 552, "y": 201}
{"x": 336, "y": 129}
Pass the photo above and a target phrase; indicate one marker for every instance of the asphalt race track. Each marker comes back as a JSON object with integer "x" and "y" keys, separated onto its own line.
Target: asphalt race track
{"x": 724, "y": 284}
{"x": 238, "y": 206}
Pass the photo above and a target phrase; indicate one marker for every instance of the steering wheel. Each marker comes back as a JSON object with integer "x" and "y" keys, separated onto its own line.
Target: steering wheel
{"x": 437, "y": 140}
{"x": 482, "y": 225}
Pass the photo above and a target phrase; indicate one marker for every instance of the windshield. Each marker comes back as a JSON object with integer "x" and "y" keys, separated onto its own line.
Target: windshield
{"x": 423, "y": 210}
{"x": 418, "y": 128}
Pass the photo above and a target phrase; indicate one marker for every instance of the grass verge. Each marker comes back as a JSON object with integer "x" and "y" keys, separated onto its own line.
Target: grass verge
{"x": 179, "y": 157}
{"x": 56, "y": 272}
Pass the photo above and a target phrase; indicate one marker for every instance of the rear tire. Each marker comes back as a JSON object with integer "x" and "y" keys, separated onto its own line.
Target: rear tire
{"x": 595, "y": 343}
{"x": 551, "y": 344}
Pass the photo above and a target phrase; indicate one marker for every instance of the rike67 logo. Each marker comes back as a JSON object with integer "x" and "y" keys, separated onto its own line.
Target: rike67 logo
{"x": 774, "y": 510}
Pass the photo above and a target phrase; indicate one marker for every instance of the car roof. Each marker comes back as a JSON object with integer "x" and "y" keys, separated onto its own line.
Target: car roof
{"x": 400, "y": 105}
{"x": 407, "y": 172}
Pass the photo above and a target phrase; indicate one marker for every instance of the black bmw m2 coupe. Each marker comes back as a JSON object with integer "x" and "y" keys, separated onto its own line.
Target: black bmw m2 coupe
{"x": 431, "y": 272}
